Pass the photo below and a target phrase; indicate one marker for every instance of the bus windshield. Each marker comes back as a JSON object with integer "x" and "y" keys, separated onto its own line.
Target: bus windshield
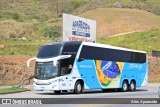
{"x": 45, "y": 70}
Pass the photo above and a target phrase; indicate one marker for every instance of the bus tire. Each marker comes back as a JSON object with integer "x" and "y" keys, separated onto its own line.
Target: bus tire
{"x": 125, "y": 86}
{"x": 78, "y": 88}
{"x": 104, "y": 90}
{"x": 132, "y": 86}
{"x": 57, "y": 92}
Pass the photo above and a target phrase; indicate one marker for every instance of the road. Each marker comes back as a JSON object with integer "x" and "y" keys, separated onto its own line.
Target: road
{"x": 150, "y": 91}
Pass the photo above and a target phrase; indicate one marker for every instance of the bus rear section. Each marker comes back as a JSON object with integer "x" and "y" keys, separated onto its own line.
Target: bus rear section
{"x": 108, "y": 67}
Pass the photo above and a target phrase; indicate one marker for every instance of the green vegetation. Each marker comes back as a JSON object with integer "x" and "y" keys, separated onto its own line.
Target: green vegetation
{"x": 12, "y": 90}
{"x": 52, "y": 31}
{"x": 72, "y": 5}
{"x": 15, "y": 16}
{"x": 146, "y": 41}
{"x": 29, "y": 47}
{"x": 148, "y": 5}
{"x": 38, "y": 21}
{"x": 42, "y": 10}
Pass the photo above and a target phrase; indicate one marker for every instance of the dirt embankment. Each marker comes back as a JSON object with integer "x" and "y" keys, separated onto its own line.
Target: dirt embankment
{"x": 13, "y": 69}
{"x": 154, "y": 69}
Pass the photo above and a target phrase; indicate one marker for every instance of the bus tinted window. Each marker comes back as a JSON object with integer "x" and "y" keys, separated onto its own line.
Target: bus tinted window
{"x": 96, "y": 53}
{"x": 86, "y": 53}
{"x": 48, "y": 51}
{"x": 70, "y": 49}
{"x": 139, "y": 57}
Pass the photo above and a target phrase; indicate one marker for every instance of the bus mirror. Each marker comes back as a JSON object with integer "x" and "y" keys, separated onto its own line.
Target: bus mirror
{"x": 28, "y": 62}
{"x": 54, "y": 62}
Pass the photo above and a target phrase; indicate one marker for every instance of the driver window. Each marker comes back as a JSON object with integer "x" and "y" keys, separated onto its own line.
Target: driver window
{"x": 66, "y": 66}
{"x": 63, "y": 70}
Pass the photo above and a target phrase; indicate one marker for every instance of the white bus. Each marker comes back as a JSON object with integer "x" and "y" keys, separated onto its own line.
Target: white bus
{"x": 78, "y": 66}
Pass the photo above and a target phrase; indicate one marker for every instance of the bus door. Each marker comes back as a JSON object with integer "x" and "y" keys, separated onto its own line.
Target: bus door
{"x": 65, "y": 79}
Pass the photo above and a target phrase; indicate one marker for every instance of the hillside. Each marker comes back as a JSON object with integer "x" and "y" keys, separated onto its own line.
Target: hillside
{"x": 43, "y": 10}
{"x": 13, "y": 66}
{"x": 29, "y": 18}
{"x": 146, "y": 41}
{"x": 111, "y": 21}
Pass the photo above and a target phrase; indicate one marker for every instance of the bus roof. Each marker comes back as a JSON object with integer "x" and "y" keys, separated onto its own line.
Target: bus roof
{"x": 66, "y": 42}
{"x": 97, "y": 45}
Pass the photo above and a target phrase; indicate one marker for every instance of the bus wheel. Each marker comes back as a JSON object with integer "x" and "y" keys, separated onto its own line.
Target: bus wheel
{"x": 78, "y": 88}
{"x": 57, "y": 92}
{"x": 64, "y": 90}
{"x": 125, "y": 86}
{"x": 104, "y": 90}
{"x": 132, "y": 86}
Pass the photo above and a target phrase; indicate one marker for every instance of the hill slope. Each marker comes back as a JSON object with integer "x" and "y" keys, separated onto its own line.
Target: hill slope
{"x": 146, "y": 41}
{"x": 111, "y": 21}
{"x": 42, "y": 10}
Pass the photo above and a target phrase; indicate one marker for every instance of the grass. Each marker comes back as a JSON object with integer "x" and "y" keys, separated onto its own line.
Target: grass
{"x": 13, "y": 47}
{"x": 26, "y": 10}
{"x": 12, "y": 90}
{"x": 146, "y": 41}
{"x": 148, "y": 5}
{"x": 27, "y": 47}
{"x": 110, "y": 21}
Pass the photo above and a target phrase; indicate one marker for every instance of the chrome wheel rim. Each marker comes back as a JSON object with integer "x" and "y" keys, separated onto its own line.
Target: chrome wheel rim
{"x": 79, "y": 87}
{"x": 125, "y": 86}
{"x": 132, "y": 86}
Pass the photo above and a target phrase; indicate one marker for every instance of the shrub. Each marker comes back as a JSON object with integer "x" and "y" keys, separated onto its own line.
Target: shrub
{"x": 72, "y": 5}
{"x": 12, "y": 53}
{"x": 52, "y": 31}
{"x": 15, "y": 16}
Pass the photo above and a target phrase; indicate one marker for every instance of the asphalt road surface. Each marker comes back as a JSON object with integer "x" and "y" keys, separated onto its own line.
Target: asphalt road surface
{"x": 150, "y": 91}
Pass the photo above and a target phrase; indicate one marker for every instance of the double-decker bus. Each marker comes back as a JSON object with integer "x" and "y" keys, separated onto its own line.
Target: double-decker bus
{"x": 78, "y": 66}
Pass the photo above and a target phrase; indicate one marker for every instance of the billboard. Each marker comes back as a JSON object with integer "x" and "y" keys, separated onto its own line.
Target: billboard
{"x": 78, "y": 29}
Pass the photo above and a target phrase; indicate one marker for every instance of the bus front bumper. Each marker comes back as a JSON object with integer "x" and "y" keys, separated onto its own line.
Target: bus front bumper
{"x": 51, "y": 87}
